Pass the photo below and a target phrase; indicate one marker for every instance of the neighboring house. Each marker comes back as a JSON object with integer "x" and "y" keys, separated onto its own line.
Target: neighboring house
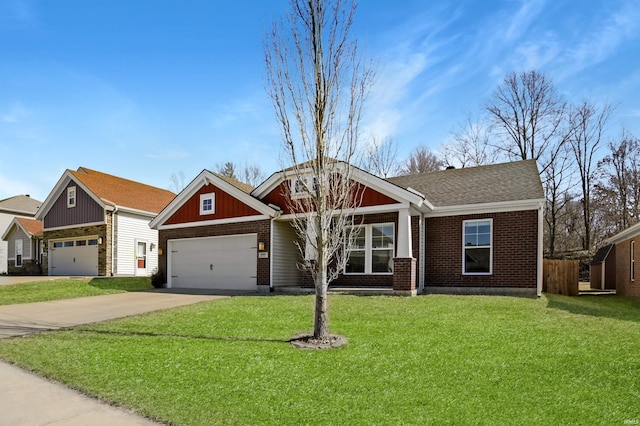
{"x": 24, "y": 238}
{"x": 615, "y": 266}
{"x": 18, "y": 206}
{"x": 98, "y": 224}
{"x": 473, "y": 230}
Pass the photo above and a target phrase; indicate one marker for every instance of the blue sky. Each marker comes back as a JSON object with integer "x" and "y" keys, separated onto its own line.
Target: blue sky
{"x": 143, "y": 89}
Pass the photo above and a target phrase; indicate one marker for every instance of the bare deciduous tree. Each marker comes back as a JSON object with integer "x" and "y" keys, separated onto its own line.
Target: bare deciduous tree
{"x": 527, "y": 115}
{"x": 381, "y": 157}
{"x": 557, "y": 179}
{"x": 617, "y": 192}
{"x": 587, "y": 124}
{"x": 318, "y": 83}
{"x": 421, "y": 160}
{"x": 470, "y": 146}
{"x": 177, "y": 182}
{"x": 250, "y": 174}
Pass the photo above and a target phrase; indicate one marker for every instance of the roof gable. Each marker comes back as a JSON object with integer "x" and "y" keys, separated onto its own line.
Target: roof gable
{"x": 496, "y": 183}
{"x": 30, "y": 227}
{"x": 231, "y": 201}
{"x": 377, "y": 190}
{"x": 109, "y": 190}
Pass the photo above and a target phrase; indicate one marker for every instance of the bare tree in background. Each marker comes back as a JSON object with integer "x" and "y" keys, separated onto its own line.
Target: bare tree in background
{"x": 177, "y": 182}
{"x": 587, "y": 124}
{"x": 251, "y": 174}
{"x": 381, "y": 157}
{"x": 527, "y": 115}
{"x": 617, "y": 191}
{"x": 557, "y": 179}
{"x": 470, "y": 146}
{"x": 318, "y": 83}
{"x": 421, "y": 160}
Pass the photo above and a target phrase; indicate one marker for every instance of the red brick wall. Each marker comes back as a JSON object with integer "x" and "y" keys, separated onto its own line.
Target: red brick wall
{"x": 260, "y": 227}
{"x": 624, "y": 285}
{"x": 515, "y": 240}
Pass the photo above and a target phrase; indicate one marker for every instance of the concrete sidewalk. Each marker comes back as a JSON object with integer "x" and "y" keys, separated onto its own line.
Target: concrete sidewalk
{"x": 29, "y": 400}
{"x": 26, "y": 399}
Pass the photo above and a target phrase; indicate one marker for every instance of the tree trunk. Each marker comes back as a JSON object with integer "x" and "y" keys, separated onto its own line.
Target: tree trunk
{"x": 321, "y": 312}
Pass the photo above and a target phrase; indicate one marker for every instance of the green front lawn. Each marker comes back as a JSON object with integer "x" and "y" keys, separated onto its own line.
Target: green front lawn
{"x": 421, "y": 360}
{"x": 65, "y": 288}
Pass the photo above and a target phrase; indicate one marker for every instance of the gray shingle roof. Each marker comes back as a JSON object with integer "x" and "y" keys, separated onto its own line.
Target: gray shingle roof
{"x": 494, "y": 183}
{"x": 20, "y": 204}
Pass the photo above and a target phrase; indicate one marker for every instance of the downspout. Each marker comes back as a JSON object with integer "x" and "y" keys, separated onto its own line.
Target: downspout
{"x": 540, "y": 247}
{"x": 421, "y": 254}
{"x": 113, "y": 234}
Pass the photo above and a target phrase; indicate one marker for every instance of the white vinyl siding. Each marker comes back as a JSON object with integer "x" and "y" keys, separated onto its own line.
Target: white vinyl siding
{"x": 284, "y": 255}
{"x": 131, "y": 229}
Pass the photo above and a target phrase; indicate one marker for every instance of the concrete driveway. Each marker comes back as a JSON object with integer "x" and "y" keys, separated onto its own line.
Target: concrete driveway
{"x": 16, "y": 320}
{"x": 57, "y": 404}
{"x": 8, "y": 280}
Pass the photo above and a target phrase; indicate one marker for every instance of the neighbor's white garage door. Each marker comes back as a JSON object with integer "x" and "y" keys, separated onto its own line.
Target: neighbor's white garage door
{"x": 219, "y": 263}
{"x": 74, "y": 257}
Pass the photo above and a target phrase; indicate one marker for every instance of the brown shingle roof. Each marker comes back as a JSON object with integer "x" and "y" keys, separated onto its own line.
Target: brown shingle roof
{"x": 20, "y": 204}
{"x": 32, "y": 226}
{"x": 114, "y": 190}
{"x": 494, "y": 183}
{"x": 244, "y": 187}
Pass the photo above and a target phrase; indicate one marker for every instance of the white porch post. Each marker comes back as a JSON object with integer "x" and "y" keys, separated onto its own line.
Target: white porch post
{"x": 404, "y": 234}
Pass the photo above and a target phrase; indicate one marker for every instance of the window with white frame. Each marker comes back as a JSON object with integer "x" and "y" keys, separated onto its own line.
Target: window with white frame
{"x": 477, "y": 247}
{"x": 303, "y": 186}
{"x": 207, "y": 203}
{"x": 71, "y": 196}
{"x": 372, "y": 250}
{"x": 18, "y": 246}
{"x": 633, "y": 260}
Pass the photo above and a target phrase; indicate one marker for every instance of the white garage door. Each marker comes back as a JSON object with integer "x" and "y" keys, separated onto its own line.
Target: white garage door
{"x": 219, "y": 263}
{"x": 74, "y": 257}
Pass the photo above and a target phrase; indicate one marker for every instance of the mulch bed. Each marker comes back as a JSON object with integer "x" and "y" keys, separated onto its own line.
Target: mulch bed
{"x": 307, "y": 341}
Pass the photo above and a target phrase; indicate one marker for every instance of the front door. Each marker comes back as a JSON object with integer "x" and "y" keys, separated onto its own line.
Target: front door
{"x": 141, "y": 258}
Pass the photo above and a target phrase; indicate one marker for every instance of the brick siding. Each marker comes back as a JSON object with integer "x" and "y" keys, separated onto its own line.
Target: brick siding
{"x": 515, "y": 241}
{"x": 624, "y": 284}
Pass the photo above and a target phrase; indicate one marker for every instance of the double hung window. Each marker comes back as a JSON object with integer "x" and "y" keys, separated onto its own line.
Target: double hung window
{"x": 477, "y": 247}
{"x": 372, "y": 249}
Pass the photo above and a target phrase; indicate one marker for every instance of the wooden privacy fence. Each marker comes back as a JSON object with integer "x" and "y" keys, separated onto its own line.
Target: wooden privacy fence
{"x": 560, "y": 277}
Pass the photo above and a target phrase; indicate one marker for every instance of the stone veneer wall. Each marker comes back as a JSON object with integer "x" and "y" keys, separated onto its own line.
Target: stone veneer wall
{"x": 104, "y": 250}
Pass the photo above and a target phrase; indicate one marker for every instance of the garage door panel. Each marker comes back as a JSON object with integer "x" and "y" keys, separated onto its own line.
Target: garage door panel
{"x": 74, "y": 260}
{"x": 221, "y": 263}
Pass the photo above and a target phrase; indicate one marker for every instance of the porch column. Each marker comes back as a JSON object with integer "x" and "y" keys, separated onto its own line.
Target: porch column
{"x": 404, "y": 234}
{"x": 404, "y": 265}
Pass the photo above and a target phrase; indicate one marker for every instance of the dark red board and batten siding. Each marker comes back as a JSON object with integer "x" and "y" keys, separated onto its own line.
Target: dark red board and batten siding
{"x": 226, "y": 207}
{"x": 277, "y": 197}
{"x": 87, "y": 210}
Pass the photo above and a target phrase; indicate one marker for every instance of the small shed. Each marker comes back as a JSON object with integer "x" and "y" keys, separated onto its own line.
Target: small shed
{"x": 603, "y": 269}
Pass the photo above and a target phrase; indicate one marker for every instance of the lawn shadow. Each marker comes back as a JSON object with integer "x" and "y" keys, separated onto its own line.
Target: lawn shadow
{"x": 615, "y": 306}
{"x": 181, "y": 336}
{"x": 121, "y": 283}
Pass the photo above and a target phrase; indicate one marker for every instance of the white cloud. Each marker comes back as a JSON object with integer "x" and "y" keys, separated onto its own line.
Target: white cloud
{"x": 603, "y": 41}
